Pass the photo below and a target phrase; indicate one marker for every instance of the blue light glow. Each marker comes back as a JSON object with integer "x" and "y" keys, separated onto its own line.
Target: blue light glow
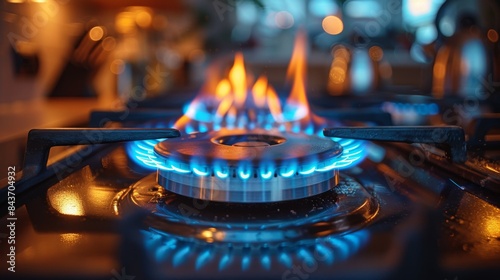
{"x": 285, "y": 259}
{"x": 447, "y": 26}
{"x": 422, "y": 109}
{"x": 265, "y": 260}
{"x": 306, "y": 256}
{"x": 363, "y": 9}
{"x": 322, "y": 8}
{"x": 325, "y": 254}
{"x": 341, "y": 246}
{"x": 309, "y": 130}
{"x": 189, "y": 128}
{"x": 245, "y": 262}
{"x": 419, "y": 12}
{"x": 197, "y": 111}
{"x": 426, "y": 34}
{"x": 202, "y": 127}
{"x": 164, "y": 250}
{"x": 361, "y": 72}
{"x": 474, "y": 64}
{"x": 294, "y": 112}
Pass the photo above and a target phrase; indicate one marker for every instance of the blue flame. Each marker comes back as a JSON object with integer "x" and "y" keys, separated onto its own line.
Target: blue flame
{"x": 203, "y": 259}
{"x": 266, "y": 174}
{"x": 221, "y": 174}
{"x": 244, "y": 174}
{"x": 326, "y": 255}
{"x": 197, "y": 171}
{"x": 225, "y": 261}
{"x": 285, "y": 259}
{"x": 266, "y": 262}
{"x": 181, "y": 256}
{"x": 142, "y": 153}
{"x": 245, "y": 262}
{"x": 329, "y": 250}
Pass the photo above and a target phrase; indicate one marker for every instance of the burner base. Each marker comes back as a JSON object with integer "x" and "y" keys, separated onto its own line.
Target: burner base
{"x": 345, "y": 208}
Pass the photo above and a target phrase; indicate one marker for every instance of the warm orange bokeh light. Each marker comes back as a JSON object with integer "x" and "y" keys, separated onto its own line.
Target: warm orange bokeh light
{"x": 96, "y": 33}
{"x": 338, "y": 70}
{"x": 376, "y": 53}
{"x": 332, "y": 25}
{"x": 492, "y": 35}
{"x": 439, "y": 72}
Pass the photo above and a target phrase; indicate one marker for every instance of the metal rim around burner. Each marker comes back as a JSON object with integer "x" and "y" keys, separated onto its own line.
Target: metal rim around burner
{"x": 248, "y": 166}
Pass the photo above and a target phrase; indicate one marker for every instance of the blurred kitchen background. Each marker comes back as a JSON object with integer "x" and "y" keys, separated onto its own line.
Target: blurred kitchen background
{"x": 63, "y": 58}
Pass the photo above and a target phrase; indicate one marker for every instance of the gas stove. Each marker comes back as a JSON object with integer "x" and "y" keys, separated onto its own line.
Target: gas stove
{"x": 239, "y": 185}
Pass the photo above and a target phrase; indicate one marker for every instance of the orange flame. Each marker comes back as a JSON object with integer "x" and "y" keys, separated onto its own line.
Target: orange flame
{"x": 236, "y": 99}
{"x": 237, "y": 76}
{"x": 297, "y": 72}
{"x": 223, "y": 89}
{"x": 274, "y": 105}
{"x": 224, "y": 106}
{"x": 259, "y": 92}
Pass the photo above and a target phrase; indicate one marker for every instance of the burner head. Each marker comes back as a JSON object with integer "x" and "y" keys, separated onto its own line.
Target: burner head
{"x": 248, "y": 166}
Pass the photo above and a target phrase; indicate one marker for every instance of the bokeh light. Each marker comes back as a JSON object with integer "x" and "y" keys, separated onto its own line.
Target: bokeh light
{"x": 332, "y": 25}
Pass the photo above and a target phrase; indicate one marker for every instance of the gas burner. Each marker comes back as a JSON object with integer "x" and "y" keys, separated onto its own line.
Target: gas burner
{"x": 345, "y": 208}
{"x": 143, "y": 153}
{"x": 248, "y": 166}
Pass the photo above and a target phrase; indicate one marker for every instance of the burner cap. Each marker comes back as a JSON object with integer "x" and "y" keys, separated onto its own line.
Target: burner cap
{"x": 248, "y": 166}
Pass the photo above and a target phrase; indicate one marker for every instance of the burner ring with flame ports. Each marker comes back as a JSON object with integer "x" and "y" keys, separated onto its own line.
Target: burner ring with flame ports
{"x": 248, "y": 166}
{"x": 345, "y": 208}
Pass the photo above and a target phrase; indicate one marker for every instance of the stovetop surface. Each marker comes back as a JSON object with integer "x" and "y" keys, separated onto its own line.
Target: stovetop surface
{"x": 430, "y": 224}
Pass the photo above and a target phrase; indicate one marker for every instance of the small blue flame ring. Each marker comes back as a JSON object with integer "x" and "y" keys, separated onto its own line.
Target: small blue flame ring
{"x": 142, "y": 153}
{"x": 166, "y": 249}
